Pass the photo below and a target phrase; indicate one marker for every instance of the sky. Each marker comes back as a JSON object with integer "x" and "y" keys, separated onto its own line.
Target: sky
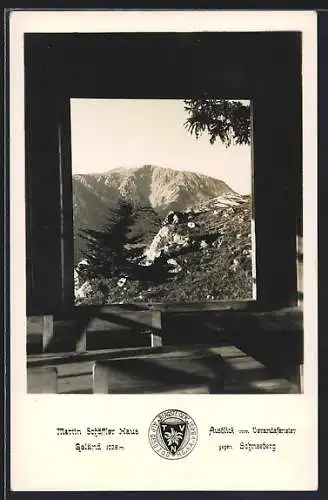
{"x": 110, "y": 133}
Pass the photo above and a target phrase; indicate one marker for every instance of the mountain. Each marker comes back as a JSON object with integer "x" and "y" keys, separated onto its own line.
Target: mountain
{"x": 207, "y": 252}
{"x": 162, "y": 189}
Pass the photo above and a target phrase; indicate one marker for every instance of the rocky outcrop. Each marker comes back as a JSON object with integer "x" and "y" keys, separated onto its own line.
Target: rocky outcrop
{"x": 205, "y": 251}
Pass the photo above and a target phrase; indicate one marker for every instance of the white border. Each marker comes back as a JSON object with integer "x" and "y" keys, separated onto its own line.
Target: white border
{"x": 40, "y": 461}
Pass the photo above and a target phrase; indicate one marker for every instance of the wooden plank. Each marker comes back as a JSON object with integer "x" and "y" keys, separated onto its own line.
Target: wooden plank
{"x": 276, "y": 170}
{"x": 42, "y": 380}
{"x": 198, "y": 307}
{"x": 111, "y": 319}
{"x": 81, "y": 344}
{"x": 271, "y": 335}
{"x": 179, "y": 372}
{"x": 156, "y": 339}
{"x": 156, "y": 320}
{"x": 47, "y": 331}
{"x": 75, "y": 378}
{"x": 277, "y": 320}
{"x": 39, "y": 330}
{"x": 159, "y": 322}
{"x": 301, "y": 378}
{"x": 117, "y": 354}
{"x": 43, "y": 198}
{"x": 201, "y": 389}
{"x": 295, "y": 375}
{"x": 141, "y": 315}
{"x": 96, "y": 333}
{"x": 107, "y": 327}
{"x": 72, "y": 357}
{"x": 246, "y": 375}
{"x": 65, "y": 204}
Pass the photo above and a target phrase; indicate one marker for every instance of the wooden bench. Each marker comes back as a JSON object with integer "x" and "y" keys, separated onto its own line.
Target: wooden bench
{"x": 198, "y": 370}
{"x": 245, "y": 374}
{"x": 141, "y": 371}
{"x": 92, "y": 327}
{"x": 261, "y": 352}
{"x": 176, "y": 371}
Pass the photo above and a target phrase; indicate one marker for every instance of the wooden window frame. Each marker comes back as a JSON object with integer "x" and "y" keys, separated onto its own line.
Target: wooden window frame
{"x": 264, "y": 67}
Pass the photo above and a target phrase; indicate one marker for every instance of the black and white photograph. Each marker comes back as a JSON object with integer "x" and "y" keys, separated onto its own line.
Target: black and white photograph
{"x": 153, "y": 221}
{"x": 164, "y": 236}
{"x": 165, "y": 190}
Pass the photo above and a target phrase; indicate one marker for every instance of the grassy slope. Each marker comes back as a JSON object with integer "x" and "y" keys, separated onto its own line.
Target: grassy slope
{"x": 222, "y": 271}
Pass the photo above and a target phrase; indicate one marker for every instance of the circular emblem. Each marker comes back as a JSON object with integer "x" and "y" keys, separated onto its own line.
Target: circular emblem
{"x": 173, "y": 434}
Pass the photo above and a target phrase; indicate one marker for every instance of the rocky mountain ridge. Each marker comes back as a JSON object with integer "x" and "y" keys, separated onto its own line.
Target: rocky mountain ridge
{"x": 162, "y": 189}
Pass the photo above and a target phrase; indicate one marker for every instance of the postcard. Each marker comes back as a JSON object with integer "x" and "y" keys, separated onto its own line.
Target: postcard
{"x": 163, "y": 171}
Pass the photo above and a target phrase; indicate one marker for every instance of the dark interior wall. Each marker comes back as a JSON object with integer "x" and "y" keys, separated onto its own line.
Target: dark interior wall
{"x": 265, "y": 67}
{"x": 42, "y": 221}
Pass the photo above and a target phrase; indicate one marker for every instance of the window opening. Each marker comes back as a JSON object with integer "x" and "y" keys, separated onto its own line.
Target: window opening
{"x": 163, "y": 208}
